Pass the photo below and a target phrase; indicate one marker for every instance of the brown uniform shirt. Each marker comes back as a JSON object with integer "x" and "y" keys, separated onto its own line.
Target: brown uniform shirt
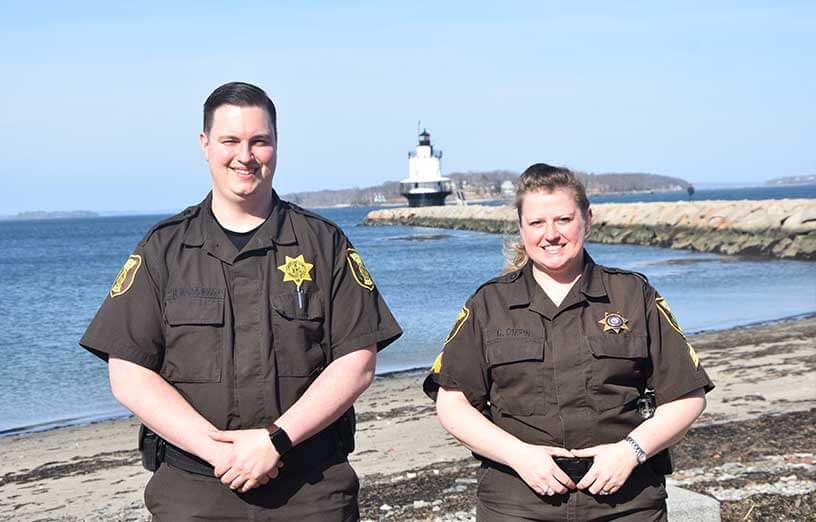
{"x": 567, "y": 376}
{"x": 228, "y": 329}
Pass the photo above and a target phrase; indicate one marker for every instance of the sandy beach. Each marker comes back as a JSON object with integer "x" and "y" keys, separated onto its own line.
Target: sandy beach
{"x": 753, "y": 448}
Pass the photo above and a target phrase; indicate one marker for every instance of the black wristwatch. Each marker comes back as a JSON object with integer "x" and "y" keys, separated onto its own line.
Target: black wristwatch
{"x": 280, "y": 440}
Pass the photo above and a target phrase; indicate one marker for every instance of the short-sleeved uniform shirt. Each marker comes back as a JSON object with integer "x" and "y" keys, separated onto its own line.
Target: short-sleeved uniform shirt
{"x": 569, "y": 375}
{"x": 241, "y": 334}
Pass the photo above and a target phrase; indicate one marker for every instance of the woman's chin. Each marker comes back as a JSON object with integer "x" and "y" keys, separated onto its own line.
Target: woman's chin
{"x": 558, "y": 266}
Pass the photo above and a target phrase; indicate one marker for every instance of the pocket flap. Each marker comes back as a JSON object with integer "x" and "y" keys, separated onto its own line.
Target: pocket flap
{"x": 287, "y": 305}
{"x": 514, "y": 350}
{"x": 619, "y": 346}
{"x": 194, "y": 311}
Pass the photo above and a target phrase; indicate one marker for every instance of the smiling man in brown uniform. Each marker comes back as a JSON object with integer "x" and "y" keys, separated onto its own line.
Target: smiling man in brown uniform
{"x": 241, "y": 331}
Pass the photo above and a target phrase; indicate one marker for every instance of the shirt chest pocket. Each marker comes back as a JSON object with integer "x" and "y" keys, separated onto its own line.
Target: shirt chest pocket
{"x": 521, "y": 380}
{"x": 618, "y": 368}
{"x": 297, "y": 331}
{"x": 194, "y": 336}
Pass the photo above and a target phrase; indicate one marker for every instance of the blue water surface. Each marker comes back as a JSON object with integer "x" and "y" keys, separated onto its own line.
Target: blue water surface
{"x": 54, "y": 275}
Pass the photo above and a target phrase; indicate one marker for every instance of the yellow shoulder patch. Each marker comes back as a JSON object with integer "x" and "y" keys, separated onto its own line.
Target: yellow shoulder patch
{"x": 663, "y": 306}
{"x": 666, "y": 312}
{"x": 437, "y": 364}
{"x": 693, "y": 354}
{"x": 359, "y": 270}
{"x": 126, "y": 276}
{"x": 461, "y": 317}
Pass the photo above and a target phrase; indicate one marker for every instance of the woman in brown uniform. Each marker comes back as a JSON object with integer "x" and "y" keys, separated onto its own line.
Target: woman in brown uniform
{"x": 545, "y": 373}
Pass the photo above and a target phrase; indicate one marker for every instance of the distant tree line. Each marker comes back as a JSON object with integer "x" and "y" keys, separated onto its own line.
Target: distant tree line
{"x": 484, "y": 185}
{"x": 792, "y": 180}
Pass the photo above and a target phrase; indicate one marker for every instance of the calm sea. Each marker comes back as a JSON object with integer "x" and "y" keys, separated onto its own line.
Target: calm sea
{"x": 54, "y": 274}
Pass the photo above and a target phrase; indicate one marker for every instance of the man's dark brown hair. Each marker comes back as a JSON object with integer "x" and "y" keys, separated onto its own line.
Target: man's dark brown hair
{"x": 239, "y": 94}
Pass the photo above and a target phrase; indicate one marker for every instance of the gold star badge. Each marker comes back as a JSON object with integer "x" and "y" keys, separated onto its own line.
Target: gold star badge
{"x": 614, "y": 321}
{"x": 296, "y": 269}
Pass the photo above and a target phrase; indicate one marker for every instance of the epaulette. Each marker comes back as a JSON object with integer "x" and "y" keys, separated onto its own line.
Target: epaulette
{"x": 613, "y": 270}
{"x": 504, "y": 278}
{"x": 188, "y": 213}
{"x": 310, "y": 214}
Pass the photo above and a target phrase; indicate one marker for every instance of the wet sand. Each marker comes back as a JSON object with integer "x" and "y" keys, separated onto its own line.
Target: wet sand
{"x": 411, "y": 470}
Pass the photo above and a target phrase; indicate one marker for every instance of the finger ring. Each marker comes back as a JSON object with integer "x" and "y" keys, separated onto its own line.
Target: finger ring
{"x": 605, "y": 492}
{"x": 550, "y": 491}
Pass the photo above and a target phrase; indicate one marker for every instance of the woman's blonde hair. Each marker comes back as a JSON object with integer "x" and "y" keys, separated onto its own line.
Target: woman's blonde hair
{"x": 541, "y": 177}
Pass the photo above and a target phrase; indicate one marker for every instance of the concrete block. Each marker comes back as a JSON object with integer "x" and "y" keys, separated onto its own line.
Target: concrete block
{"x": 688, "y": 506}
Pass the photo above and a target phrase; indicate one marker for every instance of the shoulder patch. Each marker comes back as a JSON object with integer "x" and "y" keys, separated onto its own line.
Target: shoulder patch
{"x": 667, "y": 314}
{"x": 461, "y": 319}
{"x": 663, "y": 306}
{"x": 359, "y": 270}
{"x": 437, "y": 364}
{"x": 126, "y": 276}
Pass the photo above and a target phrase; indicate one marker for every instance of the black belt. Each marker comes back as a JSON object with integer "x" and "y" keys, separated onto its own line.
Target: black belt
{"x": 311, "y": 452}
{"x": 178, "y": 458}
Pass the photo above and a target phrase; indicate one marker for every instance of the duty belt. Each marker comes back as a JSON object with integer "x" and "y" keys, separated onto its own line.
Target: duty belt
{"x": 316, "y": 450}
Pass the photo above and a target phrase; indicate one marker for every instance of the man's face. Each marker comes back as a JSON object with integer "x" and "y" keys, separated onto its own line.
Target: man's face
{"x": 241, "y": 148}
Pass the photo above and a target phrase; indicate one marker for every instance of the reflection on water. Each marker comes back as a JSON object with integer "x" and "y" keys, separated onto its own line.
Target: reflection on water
{"x": 420, "y": 237}
{"x": 696, "y": 260}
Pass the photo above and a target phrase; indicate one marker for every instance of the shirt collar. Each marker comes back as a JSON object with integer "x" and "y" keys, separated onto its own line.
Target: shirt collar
{"x": 524, "y": 290}
{"x": 204, "y": 230}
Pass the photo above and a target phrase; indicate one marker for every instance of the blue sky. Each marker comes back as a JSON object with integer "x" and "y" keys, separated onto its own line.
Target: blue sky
{"x": 100, "y": 104}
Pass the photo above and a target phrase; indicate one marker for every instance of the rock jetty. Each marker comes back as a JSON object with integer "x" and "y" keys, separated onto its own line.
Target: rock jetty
{"x": 784, "y": 228}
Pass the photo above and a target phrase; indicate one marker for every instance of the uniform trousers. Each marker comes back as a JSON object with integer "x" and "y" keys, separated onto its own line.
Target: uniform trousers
{"x": 505, "y": 497}
{"x": 326, "y": 492}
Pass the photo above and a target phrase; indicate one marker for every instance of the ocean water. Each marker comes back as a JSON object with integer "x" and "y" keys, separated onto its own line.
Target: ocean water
{"x": 55, "y": 274}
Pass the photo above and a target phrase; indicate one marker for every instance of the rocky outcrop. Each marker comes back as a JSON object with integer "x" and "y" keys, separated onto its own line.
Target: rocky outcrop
{"x": 783, "y": 228}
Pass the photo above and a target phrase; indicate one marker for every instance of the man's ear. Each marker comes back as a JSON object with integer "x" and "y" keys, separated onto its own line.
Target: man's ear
{"x": 205, "y": 142}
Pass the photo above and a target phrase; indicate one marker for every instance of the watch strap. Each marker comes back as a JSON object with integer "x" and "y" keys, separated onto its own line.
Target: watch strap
{"x": 639, "y": 453}
{"x": 280, "y": 439}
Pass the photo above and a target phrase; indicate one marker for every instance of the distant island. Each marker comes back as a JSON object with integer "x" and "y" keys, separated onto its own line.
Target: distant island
{"x": 482, "y": 186}
{"x": 42, "y": 214}
{"x": 792, "y": 180}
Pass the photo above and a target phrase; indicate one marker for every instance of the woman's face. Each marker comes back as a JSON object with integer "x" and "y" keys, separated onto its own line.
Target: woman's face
{"x": 553, "y": 231}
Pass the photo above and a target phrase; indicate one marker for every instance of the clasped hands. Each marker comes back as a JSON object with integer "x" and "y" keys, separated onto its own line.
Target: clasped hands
{"x": 244, "y": 459}
{"x": 612, "y": 465}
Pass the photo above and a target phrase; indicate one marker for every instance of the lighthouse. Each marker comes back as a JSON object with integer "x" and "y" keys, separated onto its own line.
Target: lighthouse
{"x": 425, "y": 186}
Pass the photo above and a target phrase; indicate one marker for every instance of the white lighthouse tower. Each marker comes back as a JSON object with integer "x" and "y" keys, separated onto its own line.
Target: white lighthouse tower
{"x": 425, "y": 186}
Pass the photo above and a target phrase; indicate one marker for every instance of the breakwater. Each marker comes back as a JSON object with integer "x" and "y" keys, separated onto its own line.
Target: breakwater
{"x": 783, "y": 228}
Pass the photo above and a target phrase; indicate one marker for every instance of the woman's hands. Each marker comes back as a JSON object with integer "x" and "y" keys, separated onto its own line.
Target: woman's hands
{"x": 613, "y": 463}
{"x": 535, "y": 465}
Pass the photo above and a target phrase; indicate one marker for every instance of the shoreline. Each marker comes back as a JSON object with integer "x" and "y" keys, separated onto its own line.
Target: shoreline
{"x": 86, "y": 420}
{"x": 783, "y": 229}
{"x": 756, "y": 434}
